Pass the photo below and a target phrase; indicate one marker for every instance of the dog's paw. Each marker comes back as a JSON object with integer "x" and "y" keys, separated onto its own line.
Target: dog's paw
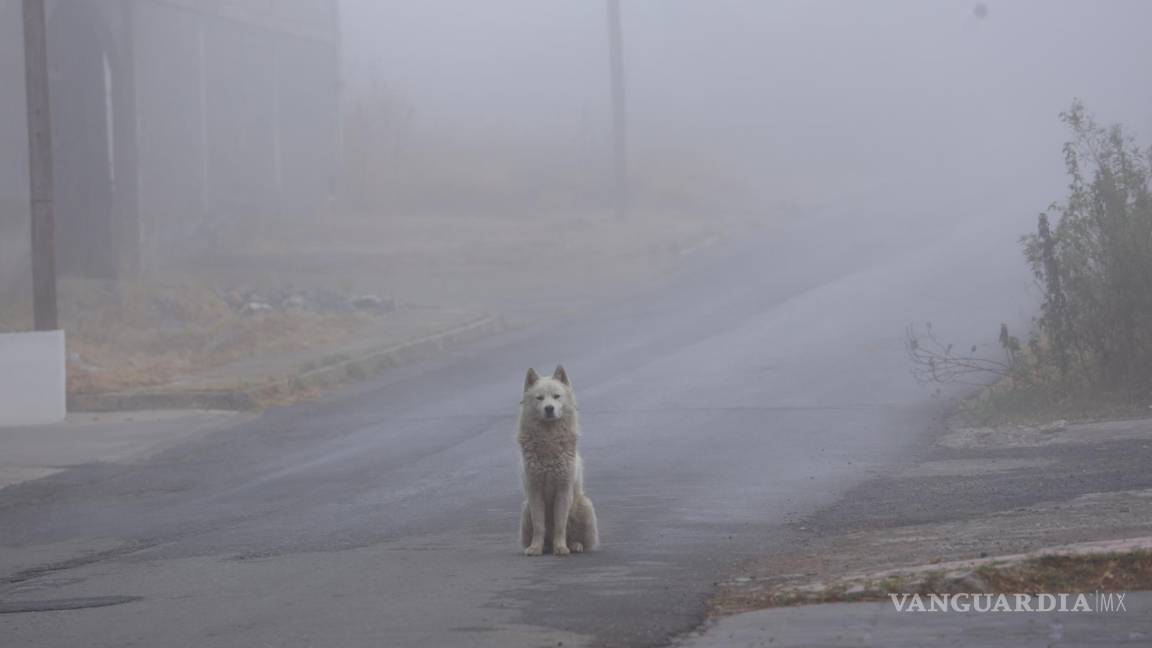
{"x": 533, "y": 550}
{"x": 577, "y": 547}
{"x": 560, "y": 550}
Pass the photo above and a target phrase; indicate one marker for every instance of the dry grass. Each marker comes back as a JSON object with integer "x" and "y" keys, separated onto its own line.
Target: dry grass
{"x": 476, "y": 261}
{"x": 1007, "y": 402}
{"x": 138, "y": 334}
{"x": 150, "y": 332}
{"x": 1110, "y": 572}
{"x": 1105, "y": 572}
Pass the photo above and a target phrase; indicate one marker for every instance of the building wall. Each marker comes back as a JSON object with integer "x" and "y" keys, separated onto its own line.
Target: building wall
{"x": 238, "y": 113}
{"x": 93, "y": 136}
{"x": 224, "y": 120}
{"x": 310, "y": 19}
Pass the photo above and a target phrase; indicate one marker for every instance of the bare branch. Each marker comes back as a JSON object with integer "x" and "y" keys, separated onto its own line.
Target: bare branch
{"x": 936, "y": 362}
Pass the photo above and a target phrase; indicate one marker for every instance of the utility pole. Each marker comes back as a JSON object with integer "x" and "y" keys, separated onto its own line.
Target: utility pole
{"x": 619, "y": 111}
{"x": 40, "y": 167}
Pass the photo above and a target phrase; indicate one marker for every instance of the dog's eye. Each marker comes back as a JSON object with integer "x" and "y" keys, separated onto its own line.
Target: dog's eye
{"x": 556, "y": 396}
{"x": 539, "y": 398}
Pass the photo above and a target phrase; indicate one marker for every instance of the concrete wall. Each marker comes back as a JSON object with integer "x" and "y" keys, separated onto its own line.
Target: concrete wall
{"x": 233, "y": 117}
{"x": 237, "y": 105}
{"x": 31, "y": 378}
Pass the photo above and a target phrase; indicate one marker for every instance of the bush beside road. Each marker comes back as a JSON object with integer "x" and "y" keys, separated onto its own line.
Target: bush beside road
{"x": 1011, "y": 497}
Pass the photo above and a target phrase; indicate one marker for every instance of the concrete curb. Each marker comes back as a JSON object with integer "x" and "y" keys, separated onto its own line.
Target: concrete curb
{"x": 325, "y": 373}
{"x": 944, "y": 577}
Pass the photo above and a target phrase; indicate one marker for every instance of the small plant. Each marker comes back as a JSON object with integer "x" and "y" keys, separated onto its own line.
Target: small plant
{"x": 934, "y": 361}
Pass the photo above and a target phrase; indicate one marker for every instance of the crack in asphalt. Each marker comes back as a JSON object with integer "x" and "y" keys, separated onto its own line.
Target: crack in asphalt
{"x": 19, "y": 607}
{"x": 72, "y": 603}
{"x": 32, "y": 573}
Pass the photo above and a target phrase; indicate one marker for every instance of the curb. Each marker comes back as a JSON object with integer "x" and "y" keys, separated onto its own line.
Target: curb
{"x": 325, "y": 373}
{"x": 954, "y": 577}
{"x": 961, "y": 571}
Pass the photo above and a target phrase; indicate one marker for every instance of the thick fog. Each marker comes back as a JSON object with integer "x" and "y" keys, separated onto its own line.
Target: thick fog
{"x": 809, "y": 102}
{"x": 426, "y": 152}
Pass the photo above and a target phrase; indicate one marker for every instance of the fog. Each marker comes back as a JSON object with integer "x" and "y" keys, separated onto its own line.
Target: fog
{"x": 424, "y": 154}
{"x": 808, "y": 102}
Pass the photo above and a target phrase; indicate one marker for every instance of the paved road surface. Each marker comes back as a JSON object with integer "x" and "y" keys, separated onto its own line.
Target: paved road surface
{"x": 755, "y": 386}
{"x": 879, "y": 624}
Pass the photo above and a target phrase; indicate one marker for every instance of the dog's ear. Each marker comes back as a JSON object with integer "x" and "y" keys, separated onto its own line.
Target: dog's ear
{"x": 530, "y": 379}
{"x": 561, "y": 375}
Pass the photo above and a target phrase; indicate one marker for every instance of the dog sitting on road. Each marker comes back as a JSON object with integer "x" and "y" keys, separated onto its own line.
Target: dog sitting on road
{"x": 556, "y": 513}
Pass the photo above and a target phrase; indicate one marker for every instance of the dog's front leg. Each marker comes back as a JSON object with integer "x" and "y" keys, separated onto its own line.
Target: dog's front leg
{"x": 539, "y": 516}
{"x": 560, "y": 510}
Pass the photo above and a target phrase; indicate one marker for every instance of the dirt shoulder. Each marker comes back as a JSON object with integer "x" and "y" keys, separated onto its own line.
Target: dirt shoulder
{"x": 986, "y": 510}
{"x": 520, "y": 265}
{"x": 314, "y": 304}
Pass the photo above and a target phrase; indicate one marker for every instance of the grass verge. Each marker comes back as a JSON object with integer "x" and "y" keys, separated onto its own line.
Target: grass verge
{"x": 1005, "y": 403}
{"x": 140, "y": 334}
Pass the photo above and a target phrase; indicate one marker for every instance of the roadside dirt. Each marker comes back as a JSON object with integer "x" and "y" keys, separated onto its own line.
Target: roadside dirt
{"x": 986, "y": 510}
{"x": 321, "y": 285}
{"x": 519, "y": 264}
{"x": 140, "y": 334}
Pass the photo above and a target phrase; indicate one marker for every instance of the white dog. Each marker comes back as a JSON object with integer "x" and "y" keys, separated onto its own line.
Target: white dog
{"x": 556, "y": 513}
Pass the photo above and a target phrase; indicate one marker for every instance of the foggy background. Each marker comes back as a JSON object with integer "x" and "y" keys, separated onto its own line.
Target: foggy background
{"x": 395, "y": 147}
{"x": 808, "y": 102}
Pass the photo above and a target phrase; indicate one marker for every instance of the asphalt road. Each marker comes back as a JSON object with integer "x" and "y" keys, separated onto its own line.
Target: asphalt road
{"x": 841, "y": 625}
{"x": 758, "y": 384}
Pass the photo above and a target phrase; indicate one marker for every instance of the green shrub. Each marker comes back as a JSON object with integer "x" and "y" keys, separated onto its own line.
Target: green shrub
{"x": 1095, "y": 264}
{"x": 1090, "y": 349}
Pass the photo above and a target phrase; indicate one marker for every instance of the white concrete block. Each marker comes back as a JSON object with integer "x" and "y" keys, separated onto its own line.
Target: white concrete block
{"x": 32, "y": 378}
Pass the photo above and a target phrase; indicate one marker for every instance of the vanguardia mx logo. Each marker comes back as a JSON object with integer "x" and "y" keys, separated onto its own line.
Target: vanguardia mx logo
{"x": 1107, "y": 602}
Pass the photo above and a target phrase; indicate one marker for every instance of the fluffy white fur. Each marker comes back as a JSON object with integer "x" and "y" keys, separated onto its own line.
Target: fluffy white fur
{"x": 556, "y": 515}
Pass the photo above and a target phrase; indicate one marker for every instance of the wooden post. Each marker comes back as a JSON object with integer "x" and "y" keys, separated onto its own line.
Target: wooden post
{"x": 202, "y": 96}
{"x": 40, "y": 167}
{"x": 619, "y": 111}
{"x": 127, "y": 130}
{"x": 338, "y": 182}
